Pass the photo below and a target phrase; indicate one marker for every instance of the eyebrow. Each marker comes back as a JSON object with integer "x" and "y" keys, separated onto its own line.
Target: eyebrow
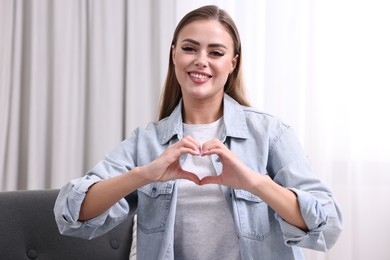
{"x": 213, "y": 45}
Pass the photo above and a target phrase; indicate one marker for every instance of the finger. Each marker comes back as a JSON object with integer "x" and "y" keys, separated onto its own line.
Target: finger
{"x": 192, "y": 140}
{"x": 189, "y": 142}
{"x": 176, "y": 152}
{"x": 210, "y": 180}
{"x": 190, "y": 176}
{"x": 184, "y": 150}
{"x": 172, "y": 154}
{"x": 220, "y": 151}
{"x": 214, "y": 146}
{"x": 213, "y": 141}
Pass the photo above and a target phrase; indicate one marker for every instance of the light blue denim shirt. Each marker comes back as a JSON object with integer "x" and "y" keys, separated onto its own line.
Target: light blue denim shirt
{"x": 262, "y": 142}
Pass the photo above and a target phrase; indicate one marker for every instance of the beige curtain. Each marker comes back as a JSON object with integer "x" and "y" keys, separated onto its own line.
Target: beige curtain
{"x": 73, "y": 82}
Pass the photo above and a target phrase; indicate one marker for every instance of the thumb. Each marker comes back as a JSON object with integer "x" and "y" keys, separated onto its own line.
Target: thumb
{"x": 210, "y": 180}
{"x": 189, "y": 176}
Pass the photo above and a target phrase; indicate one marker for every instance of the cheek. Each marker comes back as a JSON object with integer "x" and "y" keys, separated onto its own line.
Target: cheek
{"x": 181, "y": 65}
{"x": 180, "y": 71}
{"x": 180, "y": 68}
{"x": 224, "y": 69}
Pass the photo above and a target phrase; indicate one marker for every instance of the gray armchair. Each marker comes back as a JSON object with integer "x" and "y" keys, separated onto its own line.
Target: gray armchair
{"x": 28, "y": 231}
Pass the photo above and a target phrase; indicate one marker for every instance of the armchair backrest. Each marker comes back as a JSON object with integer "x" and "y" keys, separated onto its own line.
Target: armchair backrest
{"x": 28, "y": 231}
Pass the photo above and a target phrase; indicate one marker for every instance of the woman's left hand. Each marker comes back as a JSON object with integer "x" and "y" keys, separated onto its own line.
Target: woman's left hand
{"x": 235, "y": 174}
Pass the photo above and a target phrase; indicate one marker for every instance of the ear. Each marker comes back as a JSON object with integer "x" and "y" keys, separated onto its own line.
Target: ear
{"x": 173, "y": 51}
{"x": 234, "y": 63}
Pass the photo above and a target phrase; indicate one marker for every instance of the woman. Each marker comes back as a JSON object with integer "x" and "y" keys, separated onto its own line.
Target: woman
{"x": 215, "y": 178}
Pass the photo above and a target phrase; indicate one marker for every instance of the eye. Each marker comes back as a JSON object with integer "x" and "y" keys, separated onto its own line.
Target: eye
{"x": 188, "y": 49}
{"x": 217, "y": 53}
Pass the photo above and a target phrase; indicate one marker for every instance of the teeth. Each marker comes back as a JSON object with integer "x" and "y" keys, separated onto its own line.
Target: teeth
{"x": 197, "y": 75}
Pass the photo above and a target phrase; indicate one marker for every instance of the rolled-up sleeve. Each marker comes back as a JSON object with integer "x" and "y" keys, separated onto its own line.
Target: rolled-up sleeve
{"x": 67, "y": 209}
{"x": 290, "y": 168}
{"x": 71, "y": 196}
{"x": 323, "y": 220}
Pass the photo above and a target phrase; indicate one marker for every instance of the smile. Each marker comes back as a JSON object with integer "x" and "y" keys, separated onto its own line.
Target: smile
{"x": 198, "y": 75}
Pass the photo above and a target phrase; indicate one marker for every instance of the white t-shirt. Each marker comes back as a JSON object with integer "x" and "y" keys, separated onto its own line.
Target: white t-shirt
{"x": 204, "y": 227}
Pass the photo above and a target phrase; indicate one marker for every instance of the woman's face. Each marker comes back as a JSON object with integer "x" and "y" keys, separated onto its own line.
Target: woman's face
{"x": 203, "y": 58}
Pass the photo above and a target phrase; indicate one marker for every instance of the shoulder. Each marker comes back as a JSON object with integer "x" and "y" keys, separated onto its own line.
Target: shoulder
{"x": 155, "y": 131}
{"x": 263, "y": 120}
{"x": 243, "y": 121}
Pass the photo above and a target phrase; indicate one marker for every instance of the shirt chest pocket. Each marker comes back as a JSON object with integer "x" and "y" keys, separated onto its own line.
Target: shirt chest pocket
{"x": 254, "y": 216}
{"x": 154, "y": 201}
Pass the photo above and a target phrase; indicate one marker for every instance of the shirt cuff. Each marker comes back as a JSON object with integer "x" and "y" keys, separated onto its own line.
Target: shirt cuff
{"x": 313, "y": 214}
{"x": 79, "y": 188}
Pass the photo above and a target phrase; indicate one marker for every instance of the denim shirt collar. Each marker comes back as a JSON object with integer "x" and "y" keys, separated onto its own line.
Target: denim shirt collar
{"x": 233, "y": 115}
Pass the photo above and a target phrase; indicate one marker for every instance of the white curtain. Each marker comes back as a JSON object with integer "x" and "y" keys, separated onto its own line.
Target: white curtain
{"x": 327, "y": 73}
{"x": 77, "y": 76}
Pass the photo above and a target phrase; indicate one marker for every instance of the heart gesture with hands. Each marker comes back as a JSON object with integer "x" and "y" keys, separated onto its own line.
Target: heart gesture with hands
{"x": 167, "y": 166}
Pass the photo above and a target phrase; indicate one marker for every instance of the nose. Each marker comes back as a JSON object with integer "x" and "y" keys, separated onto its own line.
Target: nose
{"x": 201, "y": 60}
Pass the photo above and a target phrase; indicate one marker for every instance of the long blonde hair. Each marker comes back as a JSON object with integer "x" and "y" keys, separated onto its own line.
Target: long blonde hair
{"x": 234, "y": 85}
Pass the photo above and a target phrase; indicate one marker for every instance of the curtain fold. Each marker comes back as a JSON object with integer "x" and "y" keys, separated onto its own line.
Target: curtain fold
{"x": 5, "y": 66}
{"x": 63, "y": 94}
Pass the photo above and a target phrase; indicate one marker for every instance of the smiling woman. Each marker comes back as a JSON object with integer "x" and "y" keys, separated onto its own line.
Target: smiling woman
{"x": 215, "y": 178}
{"x": 204, "y": 57}
{"x": 225, "y": 25}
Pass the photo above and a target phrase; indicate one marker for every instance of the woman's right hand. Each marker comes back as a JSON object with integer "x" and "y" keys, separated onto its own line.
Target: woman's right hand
{"x": 167, "y": 166}
{"x": 101, "y": 196}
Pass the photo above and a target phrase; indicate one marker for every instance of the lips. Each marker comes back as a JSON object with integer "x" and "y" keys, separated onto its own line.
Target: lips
{"x": 199, "y": 77}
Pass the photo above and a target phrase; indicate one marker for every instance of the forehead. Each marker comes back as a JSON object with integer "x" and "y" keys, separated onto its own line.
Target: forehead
{"x": 206, "y": 31}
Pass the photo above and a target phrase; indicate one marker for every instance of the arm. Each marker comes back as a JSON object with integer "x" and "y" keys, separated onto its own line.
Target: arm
{"x": 104, "y": 194}
{"x": 92, "y": 205}
{"x": 289, "y": 166}
{"x": 238, "y": 176}
{"x": 305, "y": 207}
{"x": 283, "y": 201}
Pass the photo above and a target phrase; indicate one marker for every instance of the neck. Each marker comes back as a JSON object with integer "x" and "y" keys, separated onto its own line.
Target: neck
{"x": 202, "y": 112}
